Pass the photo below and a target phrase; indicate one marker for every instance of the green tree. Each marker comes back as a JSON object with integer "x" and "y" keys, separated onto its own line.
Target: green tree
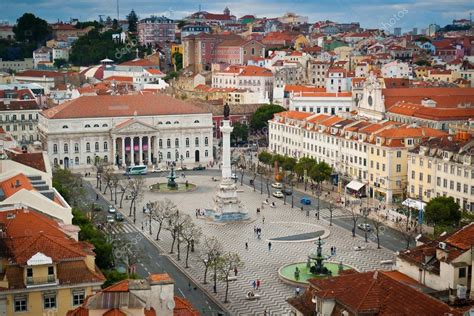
{"x": 239, "y": 133}
{"x": 132, "y": 19}
{"x": 263, "y": 114}
{"x": 69, "y": 185}
{"x": 304, "y": 163}
{"x": 423, "y": 62}
{"x": 59, "y": 62}
{"x": 30, "y": 28}
{"x": 320, "y": 172}
{"x": 178, "y": 61}
{"x": 442, "y": 211}
{"x": 265, "y": 157}
{"x": 288, "y": 164}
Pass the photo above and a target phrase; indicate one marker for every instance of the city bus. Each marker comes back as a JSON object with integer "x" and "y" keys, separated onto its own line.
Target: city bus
{"x": 134, "y": 170}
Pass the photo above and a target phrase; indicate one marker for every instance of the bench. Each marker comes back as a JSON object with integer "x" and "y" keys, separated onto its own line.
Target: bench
{"x": 232, "y": 278}
{"x": 386, "y": 261}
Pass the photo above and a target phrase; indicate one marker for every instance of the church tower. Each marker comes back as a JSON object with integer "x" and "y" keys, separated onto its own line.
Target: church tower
{"x": 372, "y": 104}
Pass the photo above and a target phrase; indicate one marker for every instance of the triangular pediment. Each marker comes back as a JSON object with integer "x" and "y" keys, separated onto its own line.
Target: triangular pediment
{"x": 133, "y": 126}
{"x": 39, "y": 259}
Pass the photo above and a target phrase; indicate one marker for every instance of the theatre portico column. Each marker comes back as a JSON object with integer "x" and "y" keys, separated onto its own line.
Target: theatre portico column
{"x": 140, "y": 150}
{"x": 156, "y": 151}
{"x": 123, "y": 152}
{"x": 132, "y": 154}
{"x": 114, "y": 144}
{"x": 149, "y": 150}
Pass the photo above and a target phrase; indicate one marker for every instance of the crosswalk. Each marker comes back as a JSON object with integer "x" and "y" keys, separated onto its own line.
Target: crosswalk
{"x": 118, "y": 228}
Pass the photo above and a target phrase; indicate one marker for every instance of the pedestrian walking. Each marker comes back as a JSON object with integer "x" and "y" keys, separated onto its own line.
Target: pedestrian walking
{"x": 297, "y": 291}
{"x": 96, "y": 196}
{"x": 254, "y": 229}
{"x": 246, "y": 246}
{"x": 269, "y": 245}
{"x": 263, "y": 220}
{"x": 258, "y": 283}
{"x": 334, "y": 250}
{"x": 254, "y": 284}
{"x": 235, "y": 271}
{"x": 189, "y": 286}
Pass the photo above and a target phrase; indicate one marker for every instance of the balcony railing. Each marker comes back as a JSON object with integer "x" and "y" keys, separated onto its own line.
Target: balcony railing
{"x": 40, "y": 281}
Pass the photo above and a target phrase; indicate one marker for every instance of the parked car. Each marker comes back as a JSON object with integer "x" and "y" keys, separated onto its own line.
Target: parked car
{"x": 277, "y": 194}
{"x": 112, "y": 209}
{"x": 277, "y": 185}
{"x": 199, "y": 168}
{"x": 287, "y": 191}
{"x": 156, "y": 169}
{"x": 365, "y": 227}
{"x": 119, "y": 217}
{"x": 110, "y": 219}
{"x": 305, "y": 201}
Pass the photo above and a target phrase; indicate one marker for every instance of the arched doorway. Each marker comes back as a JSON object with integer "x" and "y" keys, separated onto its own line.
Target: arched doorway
{"x": 196, "y": 156}
{"x": 66, "y": 163}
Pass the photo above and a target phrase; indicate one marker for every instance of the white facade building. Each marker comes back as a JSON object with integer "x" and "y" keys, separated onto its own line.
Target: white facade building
{"x": 126, "y": 130}
{"x": 397, "y": 69}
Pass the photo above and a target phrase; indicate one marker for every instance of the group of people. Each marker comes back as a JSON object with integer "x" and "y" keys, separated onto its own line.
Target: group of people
{"x": 257, "y": 231}
{"x": 200, "y": 212}
{"x": 256, "y": 284}
{"x": 333, "y": 250}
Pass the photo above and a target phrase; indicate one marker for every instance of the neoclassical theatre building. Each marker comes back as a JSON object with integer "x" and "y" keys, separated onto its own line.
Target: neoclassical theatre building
{"x": 126, "y": 130}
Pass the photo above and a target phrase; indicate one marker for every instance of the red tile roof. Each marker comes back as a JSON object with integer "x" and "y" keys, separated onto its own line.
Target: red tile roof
{"x": 444, "y": 97}
{"x": 121, "y": 105}
{"x": 33, "y": 160}
{"x": 183, "y": 308}
{"x": 119, "y": 79}
{"x": 14, "y": 184}
{"x": 436, "y": 114}
{"x": 379, "y": 293}
{"x": 39, "y": 74}
{"x": 410, "y": 132}
{"x": 139, "y": 63}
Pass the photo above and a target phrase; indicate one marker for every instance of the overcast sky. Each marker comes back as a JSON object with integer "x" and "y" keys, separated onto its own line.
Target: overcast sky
{"x": 370, "y": 13}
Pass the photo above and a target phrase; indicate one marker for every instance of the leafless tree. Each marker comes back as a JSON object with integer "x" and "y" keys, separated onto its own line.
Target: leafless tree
{"x": 225, "y": 265}
{"x": 115, "y": 183}
{"x": 174, "y": 226}
{"x": 136, "y": 188}
{"x": 124, "y": 186}
{"x": 107, "y": 175}
{"x": 408, "y": 233}
{"x": 378, "y": 228}
{"x": 355, "y": 215}
{"x": 160, "y": 212}
{"x": 191, "y": 235}
{"x": 212, "y": 248}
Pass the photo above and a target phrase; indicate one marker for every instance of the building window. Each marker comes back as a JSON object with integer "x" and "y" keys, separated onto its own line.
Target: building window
{"x": 76, "y": 161}
{"x": 399, "y": 168}
{"x": 88, "y": 147}
{"x": 187, "y": 142}
{"x": 76, "y": 147}
{"x": 160, "y": 143}
{"x": 462, "y": 272}
{"x": 21, "y": 304}
{"x": 196, "y": 141}
{"x": 187, "y": 154}
{"x": 176, "y": 142}
{"x": 88, "y": 160}
{"x": 206, "y": 153}
{"x": 66, "y": 148}
{"x": 29, "y": 272}
{"x": 168, "y": 155}
{"x": 49, "y": 301}
{"x": 78, "y": 297}
{"x": 96, "y": 146}
{"x": 206, "y": 141}
{"x": 55, "y": 148}
{"x": 106, "y": 159}
{"x": 168, "y": 143}
{"x": 106, "y": 146}
{"x": 65, "y": 126}
{"x": 50, "y": 270}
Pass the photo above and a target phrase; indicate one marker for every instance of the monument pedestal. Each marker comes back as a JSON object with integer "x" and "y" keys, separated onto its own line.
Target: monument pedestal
{"x": 227, "y": 205}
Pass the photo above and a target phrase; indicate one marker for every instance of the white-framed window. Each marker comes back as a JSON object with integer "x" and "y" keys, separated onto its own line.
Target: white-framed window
{"x": 187, "y": 154}
{"x": 206, "y": 141}
{"x": 76, "y": 147}
{"x": 168, "y": 143}
{"x": 49, "y": 301}
{"x": 20, "y": 303}
{"x": 206, "y": 153}
{"x": 78, "y": 297}
{"x": 66, "y": 148}
{"x": 96, "y": 146}
{"x": 106, "y": 146}
{"x": 76, "y": 160}
{"x": 176, "y": 142}
{"x": 196, "y": 141}
{"x": 55, "y": 148}
{"x": 187, "y": 142}
{"x": 88, "y": 160}
{"x": 88, "y": 147}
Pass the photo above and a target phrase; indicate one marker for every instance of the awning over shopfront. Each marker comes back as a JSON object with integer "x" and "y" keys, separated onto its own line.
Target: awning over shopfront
{"x": 418, "y": 205}
{"x": 355, "y": 185}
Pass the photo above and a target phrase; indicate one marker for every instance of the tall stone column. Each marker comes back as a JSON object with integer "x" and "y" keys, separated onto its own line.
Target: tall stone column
{"x": 226, "y": 129}
{"x": 132, "y": 152}
{"x": 157, "y": 155}
{"x": 114, "y": 143}
{"x": 149, "y": 150}
{"x": 123, "y": 152}
{"x": 140, "y": 150}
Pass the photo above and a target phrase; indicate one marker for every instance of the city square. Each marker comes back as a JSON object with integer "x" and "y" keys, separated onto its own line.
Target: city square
{"x": 260, "y": 262}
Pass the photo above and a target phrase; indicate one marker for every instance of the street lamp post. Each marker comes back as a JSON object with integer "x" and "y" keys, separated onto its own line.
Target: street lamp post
{"x": 330, "y": 213}
{"x": 215, "y": 271}
{"x": 292, "y": 194}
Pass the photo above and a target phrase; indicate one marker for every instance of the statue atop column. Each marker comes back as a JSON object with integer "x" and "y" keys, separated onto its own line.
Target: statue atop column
{"x": 226, "y": 112}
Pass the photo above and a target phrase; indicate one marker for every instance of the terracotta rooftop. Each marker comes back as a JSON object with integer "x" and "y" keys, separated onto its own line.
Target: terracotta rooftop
{"x": 379, "y": 293}
{"x": 14, "y": 184}
{"x": 33, "y": 160}
{"x": 120, "y": 106}
{"x": 40, "y": 74}
{"x": 411, "y": 132}
{"x": 437, "y": 114}
{"x": 139, "y": 63}
{"x": 444, "y": 97}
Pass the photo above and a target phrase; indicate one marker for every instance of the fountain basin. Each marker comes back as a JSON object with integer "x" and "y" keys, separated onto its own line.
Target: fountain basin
{"x": 287, "y": 272}
{"x": 163, "y": 187}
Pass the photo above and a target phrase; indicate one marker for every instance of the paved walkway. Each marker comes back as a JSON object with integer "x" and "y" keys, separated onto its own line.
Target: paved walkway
{"x": 260, "y": 263}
